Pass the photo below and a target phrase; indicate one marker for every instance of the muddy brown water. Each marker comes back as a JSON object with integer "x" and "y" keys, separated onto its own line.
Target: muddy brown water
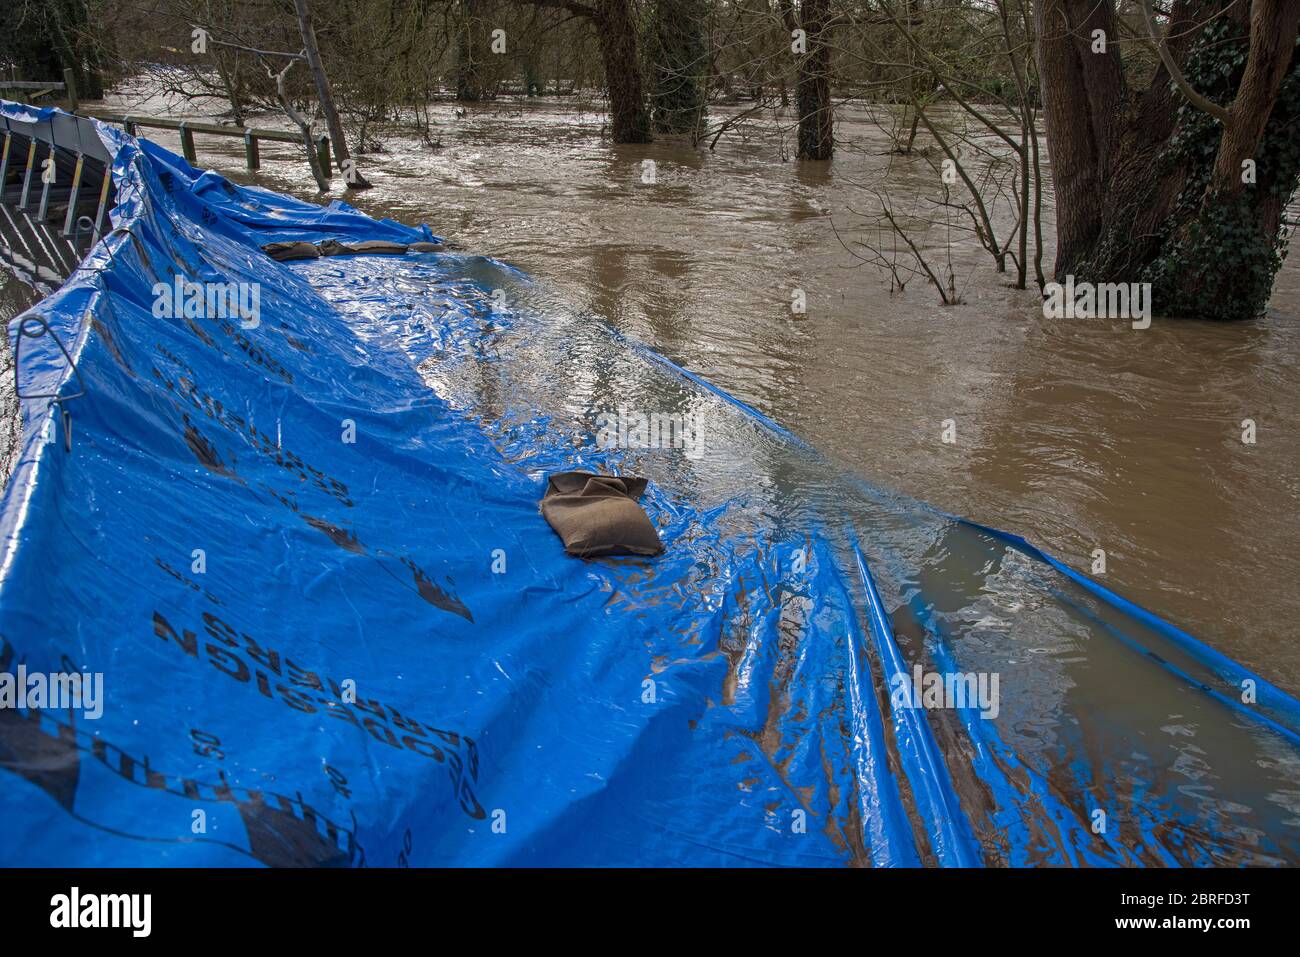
{"x": 1077, "y": 434}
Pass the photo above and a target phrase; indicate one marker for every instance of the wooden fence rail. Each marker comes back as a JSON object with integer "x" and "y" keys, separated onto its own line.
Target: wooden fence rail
{"x": 40, "y": 88}
{"x": 187, "y": 128}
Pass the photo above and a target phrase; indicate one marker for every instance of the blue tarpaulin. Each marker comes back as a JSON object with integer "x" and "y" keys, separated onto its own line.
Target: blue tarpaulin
{"x": 305, "y": 554}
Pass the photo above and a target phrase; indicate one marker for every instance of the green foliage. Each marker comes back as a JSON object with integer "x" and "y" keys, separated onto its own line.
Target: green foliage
{"x": 1215, "y": 261}
{"x": 1219, "y": 266}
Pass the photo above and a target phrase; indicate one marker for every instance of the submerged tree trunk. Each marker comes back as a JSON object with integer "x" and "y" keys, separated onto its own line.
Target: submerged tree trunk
{"x": 616, "y": 29}
{"x": 812, "y": 92}
{"x": 470, "y": 54}
{"x": 227, "y": 66}
{"x": 1151, "y": 188}
{"x": 352, "y": 175}
{"x": 304, "y": 126}
{"x": 680, "y": 60}
{"x": 629, "y": 118}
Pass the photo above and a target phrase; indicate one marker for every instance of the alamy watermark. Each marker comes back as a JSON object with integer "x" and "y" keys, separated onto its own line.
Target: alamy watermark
{"x": 74, "y": 909}
{"x": 933, "y": 690}
{"x": 55, "y": 691}
{"x": 209, "y": 300}
{"x": 629, "y": 429}
{"x": 1107, "y": 300}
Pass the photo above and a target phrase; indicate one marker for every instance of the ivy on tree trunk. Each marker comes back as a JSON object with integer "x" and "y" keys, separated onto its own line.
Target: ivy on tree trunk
{"x": 679, "y": 61}
{"x": 629, "y": 117}
{"x": 1149, "y": 187}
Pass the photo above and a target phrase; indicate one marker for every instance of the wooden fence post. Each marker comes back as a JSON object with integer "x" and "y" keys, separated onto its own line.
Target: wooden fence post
{"x": 70, "y": 87}
{"x": 187, "y": 144}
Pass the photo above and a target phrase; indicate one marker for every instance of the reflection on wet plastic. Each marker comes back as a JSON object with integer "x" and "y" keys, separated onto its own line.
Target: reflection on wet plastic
{"x": 389, "y": 658}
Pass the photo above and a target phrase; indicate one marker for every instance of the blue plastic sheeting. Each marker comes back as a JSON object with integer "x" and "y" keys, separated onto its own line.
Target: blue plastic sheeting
{"x": 334, "y": 629}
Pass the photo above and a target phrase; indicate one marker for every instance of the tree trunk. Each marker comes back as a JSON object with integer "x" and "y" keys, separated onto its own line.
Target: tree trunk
{"x": 352, "y": 175}
{"x": 812, "y": 91}
{"x": 304, "y": 127}
{"x": 1150, "y": 188}
{"x": 469, "y": 55}
{"x": 677, "y": 51}
{"x": 231, "y": 84}
{"x": 1081, "y": 92}
{"x": 1273, "y": 25}
{"x": 42, "y": 38}
{"x": 618, "y": 49}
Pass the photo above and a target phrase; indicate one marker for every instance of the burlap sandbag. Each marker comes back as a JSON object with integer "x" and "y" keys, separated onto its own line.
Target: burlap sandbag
{"x": 286, "y": 252}
{"x": 599, "y": 514}
{"x": 332, "y": 247}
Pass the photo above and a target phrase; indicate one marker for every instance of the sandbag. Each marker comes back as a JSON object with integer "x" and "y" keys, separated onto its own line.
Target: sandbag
{"x": 332, "y": 247}
{"x": 599, "y": 514}
{"x": 286, "y": 252}
{"x": 378, "y": 247}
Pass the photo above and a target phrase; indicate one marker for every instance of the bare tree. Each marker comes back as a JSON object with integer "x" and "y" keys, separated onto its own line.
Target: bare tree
{"x": 339, "y": 141}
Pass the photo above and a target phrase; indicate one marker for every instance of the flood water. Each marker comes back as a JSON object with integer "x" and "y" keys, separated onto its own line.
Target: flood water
{"x": 1077, "y": 434}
